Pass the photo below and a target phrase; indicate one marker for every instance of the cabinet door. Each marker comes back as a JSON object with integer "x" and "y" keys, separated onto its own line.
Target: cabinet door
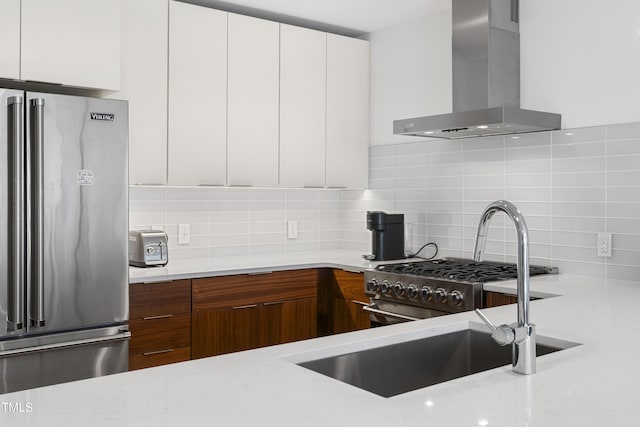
{"x": 348, "y": 316}
{"x": 347, "y": 111}
{"x": 144, "y": 84}
{"x": 197, "y": 95}
{"x": 288, "y": 321}
{"x": 10, "y": 39}
{"x": 303, "y": 78}
{"x": 252, "y": 150}
{"x": 71, "y": 42}
{"x": 225, "y": 330}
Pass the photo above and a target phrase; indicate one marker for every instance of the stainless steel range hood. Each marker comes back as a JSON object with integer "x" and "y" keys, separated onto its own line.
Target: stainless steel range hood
{"x": 486, "y": 78}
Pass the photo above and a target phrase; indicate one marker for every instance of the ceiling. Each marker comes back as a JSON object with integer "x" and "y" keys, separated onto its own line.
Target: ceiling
{"x": 348, "y": 17}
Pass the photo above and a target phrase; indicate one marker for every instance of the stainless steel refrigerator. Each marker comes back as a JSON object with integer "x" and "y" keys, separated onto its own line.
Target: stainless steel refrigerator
{"x": 63, "y": 238}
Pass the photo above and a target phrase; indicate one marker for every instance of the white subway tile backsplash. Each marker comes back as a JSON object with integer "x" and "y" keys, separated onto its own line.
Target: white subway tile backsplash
{"x": 623, "y": 178}
{"x": 623, "y": 147}
{"x": 528, "y": 166}
{"x": 623, "y": 163}
{"x": 629, "y": 226}
{"x": 623, "y": 131}
{"x": 576, "y": 150}
{"x": 568, "y": 136}
{"x": 409, "y": 149}
{"x": 623, "y": 272}
{"x": 580, "y": 179}
{"x": 418, "y": 160}
{"x": 570, "y": 185}
{"x": 528, "y": 153}
{"x": 583, "y": 164}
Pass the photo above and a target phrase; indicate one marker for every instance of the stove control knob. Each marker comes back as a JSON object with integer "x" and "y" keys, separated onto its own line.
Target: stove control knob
{"x": 441, "y": 296}
{"x": 412, "y": 291}
{"x": 372, "y": 285}
{"x": 426, "y": 293}
{"x": 457, "y": 298}
{"x": 398, "y": 289}
{"x": 385, "y": 287}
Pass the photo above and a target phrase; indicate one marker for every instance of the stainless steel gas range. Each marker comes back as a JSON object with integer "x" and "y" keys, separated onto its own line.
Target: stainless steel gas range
{"x": 419, "y": 290}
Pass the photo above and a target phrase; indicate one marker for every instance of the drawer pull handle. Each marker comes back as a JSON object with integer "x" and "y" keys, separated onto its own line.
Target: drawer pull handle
{"x": 266, "y": 304}
{"x": 151, "y": 353}
{"x": 259, "y": 273}
{"x": 242, "y": 307}
{"x": 359, "y": 303}
{"x": 164, "y": 316}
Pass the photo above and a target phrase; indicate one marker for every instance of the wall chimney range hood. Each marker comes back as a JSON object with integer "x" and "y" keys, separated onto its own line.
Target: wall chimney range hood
{"x": 486, "y": 78}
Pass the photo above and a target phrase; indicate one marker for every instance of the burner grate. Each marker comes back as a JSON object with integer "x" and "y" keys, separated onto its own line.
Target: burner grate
{"x": 460, "y": 270}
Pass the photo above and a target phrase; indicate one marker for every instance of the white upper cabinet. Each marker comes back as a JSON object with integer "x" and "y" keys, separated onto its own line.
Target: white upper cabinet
{"x": 253, "y": 104}
{"x": 71, "y": 42}
{"x": 10, "y": 39}
{"x": 347, "y": 112}
{"x": 197, "y": 95}
{"x": 144, "y": 85}
{"x": 303, "y": 79}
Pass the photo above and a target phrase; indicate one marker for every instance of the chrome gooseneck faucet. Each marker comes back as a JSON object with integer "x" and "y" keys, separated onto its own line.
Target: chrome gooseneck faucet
{"x": 522, "y": 335}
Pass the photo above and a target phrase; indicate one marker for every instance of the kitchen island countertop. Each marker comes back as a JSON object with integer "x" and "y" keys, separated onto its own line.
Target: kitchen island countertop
{"x": 592, "y": 384}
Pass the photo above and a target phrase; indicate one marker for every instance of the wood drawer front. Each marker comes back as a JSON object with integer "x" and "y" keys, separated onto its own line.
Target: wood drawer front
{"x": 232, "y": 291}
{"x": 160, "y": 333}
{"x": 351, "y": 285}
{"x": 140, "y": 360}
{"x": 154, "y": 299}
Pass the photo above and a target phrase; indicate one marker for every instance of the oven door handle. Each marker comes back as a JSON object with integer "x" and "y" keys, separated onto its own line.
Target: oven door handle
{"x": 389, "y": 314}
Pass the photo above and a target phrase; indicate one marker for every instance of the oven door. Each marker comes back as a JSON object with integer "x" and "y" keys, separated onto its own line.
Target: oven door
{"x": 383, "y": 313}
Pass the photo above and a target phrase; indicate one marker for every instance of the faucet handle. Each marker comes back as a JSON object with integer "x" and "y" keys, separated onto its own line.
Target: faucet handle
{"x": 503, "y": 334}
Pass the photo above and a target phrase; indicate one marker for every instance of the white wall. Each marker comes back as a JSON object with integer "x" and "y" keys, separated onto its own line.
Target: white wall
{"x": 410, "y": 73}
{"x": 579, "y": 58}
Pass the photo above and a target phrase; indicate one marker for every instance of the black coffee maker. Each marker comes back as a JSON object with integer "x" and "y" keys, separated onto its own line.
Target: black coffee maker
{"x": 387, "y": 238}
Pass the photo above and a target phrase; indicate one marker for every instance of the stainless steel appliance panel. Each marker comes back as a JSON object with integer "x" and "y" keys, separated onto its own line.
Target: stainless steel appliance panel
{"x": 7, "y": 256}
{"x": 67, "y": 357}
{"x": 78, "y": 214}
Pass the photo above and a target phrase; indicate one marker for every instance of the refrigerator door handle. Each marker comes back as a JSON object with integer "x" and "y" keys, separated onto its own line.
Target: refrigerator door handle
{"x": 36, "y": 196}
{"x": 17, "y": 261}
{"x": 124, "y": 335}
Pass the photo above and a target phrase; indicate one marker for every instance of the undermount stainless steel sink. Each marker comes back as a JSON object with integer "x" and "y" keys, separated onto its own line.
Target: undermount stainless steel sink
{"x": 398, "y": 368}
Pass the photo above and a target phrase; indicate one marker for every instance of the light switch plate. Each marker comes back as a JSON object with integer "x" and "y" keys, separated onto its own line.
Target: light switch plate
{"x": 184, "y": 234}
{"x": 292, "y": 229}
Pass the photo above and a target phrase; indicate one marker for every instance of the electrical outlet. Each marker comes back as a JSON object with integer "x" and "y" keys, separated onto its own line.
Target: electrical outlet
{"x": 184, "y": 234}
{"x": 604, "y": 244}
{"x": 292, "y": 229}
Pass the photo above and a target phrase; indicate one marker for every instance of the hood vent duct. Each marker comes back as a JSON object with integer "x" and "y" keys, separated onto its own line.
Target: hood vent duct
{"x": 486, "y": 77}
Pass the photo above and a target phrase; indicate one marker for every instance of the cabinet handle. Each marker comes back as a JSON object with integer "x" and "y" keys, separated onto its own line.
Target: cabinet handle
{"x": 258, "y": 273}
{"x": 364, "y": 304}
{"x": 352, "y": 271}
{"x": 164, "y": 316}
{"x": 242, "y": 307}
{"x": 266, "y": 304}
{"x": 155, "y": 283}
{"x": 151, "y": 353}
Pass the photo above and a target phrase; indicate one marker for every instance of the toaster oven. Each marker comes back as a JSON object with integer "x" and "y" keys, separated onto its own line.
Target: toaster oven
{"x": 148, "y": 248}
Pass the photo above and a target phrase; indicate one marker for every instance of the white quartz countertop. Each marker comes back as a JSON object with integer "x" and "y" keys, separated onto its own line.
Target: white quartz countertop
{"x": 221, "y": 266}
{"x": 594, "y": 384}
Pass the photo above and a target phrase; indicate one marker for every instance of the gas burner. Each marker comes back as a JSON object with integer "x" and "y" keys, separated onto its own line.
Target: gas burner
{"x": 461, "y": 270}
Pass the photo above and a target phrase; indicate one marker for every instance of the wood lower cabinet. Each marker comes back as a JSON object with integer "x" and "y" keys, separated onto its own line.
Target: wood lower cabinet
{"x": 495, "y": 299}
{"x": 240, "y": 312}
{"x": 160, "y": 323}
{"x": 342, "y": 297}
